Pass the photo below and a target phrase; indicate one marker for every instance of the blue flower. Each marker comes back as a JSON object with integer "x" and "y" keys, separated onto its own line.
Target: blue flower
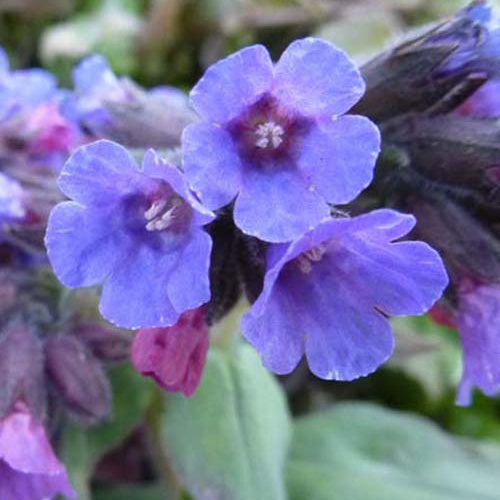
{"x": 273, "y": 138}
{"x": 328, "y": 294}
{"x": 137, "y": 231}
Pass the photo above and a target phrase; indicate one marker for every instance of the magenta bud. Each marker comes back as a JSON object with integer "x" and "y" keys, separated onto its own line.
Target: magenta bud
{"x": 79, "y": 378}
{"x": 174, "y": 356}
{"x": 106, "y": 342}
{"x": 21, "y": 366}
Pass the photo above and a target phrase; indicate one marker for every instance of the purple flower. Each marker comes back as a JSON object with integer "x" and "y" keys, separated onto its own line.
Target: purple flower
{"x": 174, "y": 356}
{"x": 138, "y": 231}
{"x": 272, "y": 136}
{"x": 29, "y": 470}
{"x": 328, "y": 295}
{"x": 478, "y": 321}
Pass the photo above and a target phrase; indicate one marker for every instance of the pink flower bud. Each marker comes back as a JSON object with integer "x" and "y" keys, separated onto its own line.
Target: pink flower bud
{"x": 174, "y": 356}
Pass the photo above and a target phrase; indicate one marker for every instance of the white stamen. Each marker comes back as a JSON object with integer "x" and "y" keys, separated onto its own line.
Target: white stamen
{"x": 304, "y": 264}
{"x": 305, "y": 260}
{"x": 155, "y": 209}
{"x": 161, "y": 213}
{"x": 316, "y": 253}
{"x": 269, "y": 134}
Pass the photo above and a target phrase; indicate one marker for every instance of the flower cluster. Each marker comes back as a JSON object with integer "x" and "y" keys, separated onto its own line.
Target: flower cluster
{"x": 262, "y": 185}
{"x": 272, "y": 153}
{"x": 138, "y": 231}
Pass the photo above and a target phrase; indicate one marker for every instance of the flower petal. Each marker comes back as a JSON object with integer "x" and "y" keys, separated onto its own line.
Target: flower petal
{"x": 82, "y": 244}
{"x": 316, "y": 78}
{"x": 231, "y": 85}
{"x": 346, "y": 337}
{"x": 135, "y": 294}
{"x": 211, "y": 163}
{"x": 188, "y": 283}
{"x": 401, "y": 278}
{"x": 93, "y": 72}
{"x": 339, "y": 157}
{"x": 16, "y": 485}
{"x": 100, "y": 173}
{"x": 276, "y": 205}
{"x": 478, "y": 321}
{"x": 274, "y": 329}
{"x": 24, "y": 445}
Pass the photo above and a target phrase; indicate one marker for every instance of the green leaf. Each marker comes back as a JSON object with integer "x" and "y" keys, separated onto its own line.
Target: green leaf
{"x": 364, "y": 452}
{"x": 81, "y": 448}
{"x": 230, "y": 440}
{"x": 131, "y": 492}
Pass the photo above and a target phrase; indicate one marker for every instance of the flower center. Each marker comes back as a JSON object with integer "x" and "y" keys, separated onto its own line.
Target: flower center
{"x": 163, "y": 213}
{"x": 306, "y": 260}
{"x": 269, "y": 135}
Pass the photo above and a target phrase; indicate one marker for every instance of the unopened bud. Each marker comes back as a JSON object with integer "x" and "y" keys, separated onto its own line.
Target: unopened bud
{"x": 154, "y": 119}
{"x": 174, "y": 356}
{"x": 21, "y": 366}
{"x": 461, "y": 153}
{"x": 116, "y": 108}
{"x": 105, "y": 342}
{"x": 78, "y": 378}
